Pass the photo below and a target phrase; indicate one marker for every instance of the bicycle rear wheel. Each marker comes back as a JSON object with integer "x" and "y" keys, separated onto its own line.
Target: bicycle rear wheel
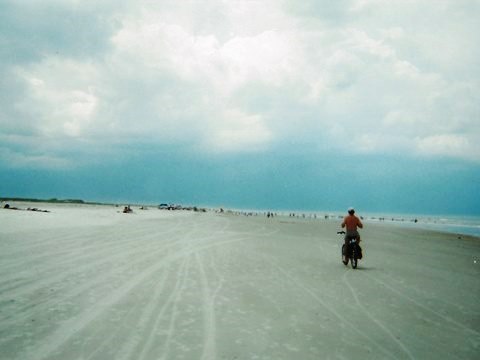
{"x": 353, "y": 258}
{"x": 344, "y": 255}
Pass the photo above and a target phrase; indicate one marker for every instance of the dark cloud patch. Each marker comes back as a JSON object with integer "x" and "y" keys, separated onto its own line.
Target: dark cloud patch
{"x": 11, "y": 120}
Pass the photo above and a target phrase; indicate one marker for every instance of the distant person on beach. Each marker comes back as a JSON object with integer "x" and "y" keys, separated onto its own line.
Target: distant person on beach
{"x": 8, "y": 207}
{"x": 352, "y": 223}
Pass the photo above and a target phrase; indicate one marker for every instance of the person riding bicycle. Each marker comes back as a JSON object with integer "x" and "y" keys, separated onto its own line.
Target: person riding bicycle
{"x": 351, "y": 222}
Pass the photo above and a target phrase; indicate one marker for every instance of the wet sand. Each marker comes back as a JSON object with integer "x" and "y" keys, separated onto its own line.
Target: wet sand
{"x": 88, "y": 282}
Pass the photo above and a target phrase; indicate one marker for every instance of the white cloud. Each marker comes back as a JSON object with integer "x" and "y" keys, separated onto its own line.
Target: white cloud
{"x": 232, "y": 76}
{"x": 60, "y": 96}
{"x": 238, "y": 132}
{"x": 268, "y": 56}
{"x": 359, "y": 41}
{"x": 405, "y": 68}
{"x": 446, "y": 145}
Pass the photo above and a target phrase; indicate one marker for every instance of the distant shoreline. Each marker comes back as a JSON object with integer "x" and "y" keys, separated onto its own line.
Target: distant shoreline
{"x": 464, "y": 225}
{"x": 52, "y": 201}
{"x": 460, "y": 225}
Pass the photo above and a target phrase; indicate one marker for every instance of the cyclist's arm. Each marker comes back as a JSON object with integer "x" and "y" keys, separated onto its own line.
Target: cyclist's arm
{"x": 359, "y": 224}
{"x": 343, "y": 223}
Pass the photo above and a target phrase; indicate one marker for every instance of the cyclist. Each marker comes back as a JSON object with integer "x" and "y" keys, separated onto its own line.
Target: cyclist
{"x": 351, "y": 222}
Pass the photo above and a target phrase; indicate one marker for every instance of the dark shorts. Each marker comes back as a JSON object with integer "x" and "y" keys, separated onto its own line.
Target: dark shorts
{"x": 351, "y": 234}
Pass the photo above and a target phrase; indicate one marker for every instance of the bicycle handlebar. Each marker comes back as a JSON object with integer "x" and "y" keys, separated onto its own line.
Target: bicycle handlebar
{"x": 341, "y": 232}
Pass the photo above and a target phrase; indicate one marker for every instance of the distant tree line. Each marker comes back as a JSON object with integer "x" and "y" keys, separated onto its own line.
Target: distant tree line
{"x": 54, "y": 200}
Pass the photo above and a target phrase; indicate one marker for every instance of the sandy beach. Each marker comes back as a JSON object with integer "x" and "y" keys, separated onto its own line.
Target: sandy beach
{"x": 88, "y": 282}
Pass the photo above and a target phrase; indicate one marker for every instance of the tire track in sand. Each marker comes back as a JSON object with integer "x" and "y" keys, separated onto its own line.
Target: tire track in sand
{"x": 376, "y": 321}
{"x": 27, "y": 311}
{"x": 103, "y": 253}
{"x": 148, "y": 343}
{"x": 327, "y": 307}
{"x": 423, "y": 307}
{"x": 141, "y": 256}
{"x": 128, "y": 346}
{"x": 62, "y": 245}
{"x": 209, "y": 347}
{"x": 155, "y": 306}
{"x": 176, "y": 295}
{"x": 75, "y": 324}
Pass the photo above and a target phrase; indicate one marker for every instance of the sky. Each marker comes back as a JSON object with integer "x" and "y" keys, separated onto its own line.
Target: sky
{"x": 307, "y": 105}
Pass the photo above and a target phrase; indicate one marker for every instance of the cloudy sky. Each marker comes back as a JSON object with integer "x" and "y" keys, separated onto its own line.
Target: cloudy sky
{"x": 277, "y": 103}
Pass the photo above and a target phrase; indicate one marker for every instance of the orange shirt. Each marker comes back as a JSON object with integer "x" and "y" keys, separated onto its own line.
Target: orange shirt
{"x": 351, "y": 222}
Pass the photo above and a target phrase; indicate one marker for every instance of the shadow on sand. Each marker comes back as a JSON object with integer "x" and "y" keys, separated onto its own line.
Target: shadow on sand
{"x": 361, "y": 267}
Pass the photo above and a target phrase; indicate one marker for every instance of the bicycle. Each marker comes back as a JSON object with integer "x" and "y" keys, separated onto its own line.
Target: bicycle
{"x": 352, "y": 252}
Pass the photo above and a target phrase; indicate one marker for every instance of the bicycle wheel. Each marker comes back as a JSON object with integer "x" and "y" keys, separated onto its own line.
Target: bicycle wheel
{"x": 344, "y": 255}
{"x": 353, "y": 258}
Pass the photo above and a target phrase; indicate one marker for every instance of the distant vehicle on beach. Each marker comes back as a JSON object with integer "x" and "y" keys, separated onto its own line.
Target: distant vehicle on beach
{"x": 170, "y": 207}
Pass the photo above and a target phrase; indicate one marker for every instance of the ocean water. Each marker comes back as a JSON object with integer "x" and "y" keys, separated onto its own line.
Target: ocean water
{"x": 464, "y": 225}
{"x": 452, "y": 224}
